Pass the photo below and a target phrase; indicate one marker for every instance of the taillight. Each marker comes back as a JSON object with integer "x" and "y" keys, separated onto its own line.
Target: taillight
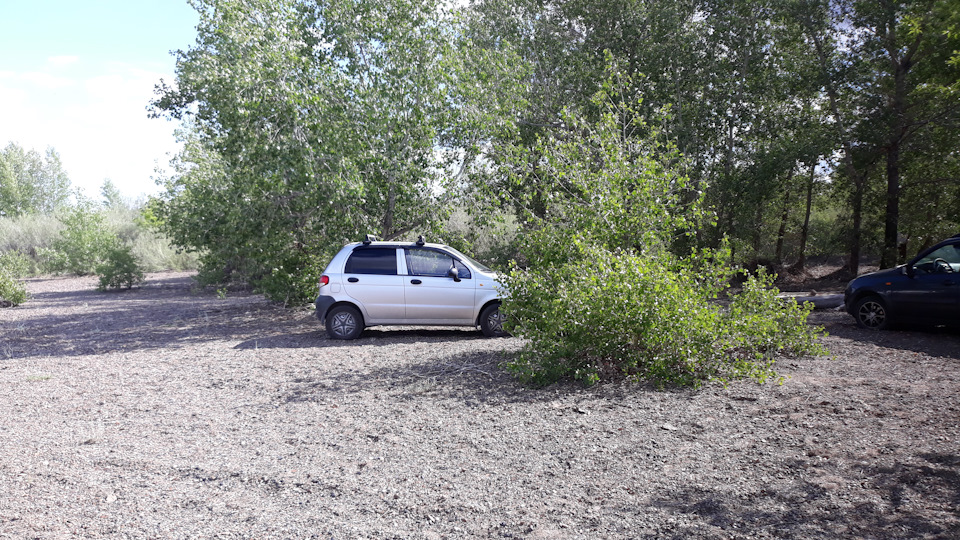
{"x": 324, "y": 280}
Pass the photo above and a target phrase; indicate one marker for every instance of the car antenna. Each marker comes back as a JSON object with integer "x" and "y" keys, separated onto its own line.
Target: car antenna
{"x": 420, "y": 240}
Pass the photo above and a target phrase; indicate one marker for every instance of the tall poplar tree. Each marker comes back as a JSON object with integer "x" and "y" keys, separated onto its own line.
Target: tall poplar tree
{"x": 312, "y": 123}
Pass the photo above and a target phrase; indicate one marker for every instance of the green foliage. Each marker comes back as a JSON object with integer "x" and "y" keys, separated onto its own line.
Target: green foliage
{"x": 313, "y": 123}
{"x": 28, "y": 233}
{"x": 15, "y": 264}
{"x": 119, "y": 269}
{"x": 492, "y": 240}
{"x": 12, "y": 291}
{"x": 608, "y": 315}
{"x": 31, "y": 182}
{"x": 112, "y": 198}
{"x": 605, "y": 294}
{"x": 83, "y": 242}
{"x": 33, "y": 236}
{"x": 152, "y": 249}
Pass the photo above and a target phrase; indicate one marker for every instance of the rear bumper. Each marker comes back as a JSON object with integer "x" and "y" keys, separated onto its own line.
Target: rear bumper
{"x": 323, "y": 304}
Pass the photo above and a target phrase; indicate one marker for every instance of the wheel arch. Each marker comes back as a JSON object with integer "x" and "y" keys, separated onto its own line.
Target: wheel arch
{"x": 864, "y": 293}
{"x": 363, "y": 316}
{"x": 491, "y": 302}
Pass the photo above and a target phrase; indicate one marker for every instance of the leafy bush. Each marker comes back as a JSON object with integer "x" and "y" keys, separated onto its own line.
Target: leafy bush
{"x": 34, "y": 235}
{"x": 27, "y": 234}
{"x": 607, "y": 314}
{"x": 12, "y": 292}
{"x": 606, "y": 295}
{"x": 15, "y": 264}
{"x": 83, "y": 242}
{"x": 119, "y": 269}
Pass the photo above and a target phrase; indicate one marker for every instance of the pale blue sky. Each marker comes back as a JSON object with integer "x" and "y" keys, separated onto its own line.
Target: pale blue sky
{"x": 77, "y": 75}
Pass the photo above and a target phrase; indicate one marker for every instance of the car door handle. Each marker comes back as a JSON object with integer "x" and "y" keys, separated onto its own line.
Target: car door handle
{"x": 353, "y": 280}
{"x": 415, "y": 281}
{"x": 949, "y": 283}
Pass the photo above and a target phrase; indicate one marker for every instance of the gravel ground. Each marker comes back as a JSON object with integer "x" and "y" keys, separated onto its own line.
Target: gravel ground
{"x": 164, "y": 412}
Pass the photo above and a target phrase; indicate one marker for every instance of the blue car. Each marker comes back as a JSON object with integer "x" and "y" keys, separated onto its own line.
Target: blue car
{"x": 926, "y": 290}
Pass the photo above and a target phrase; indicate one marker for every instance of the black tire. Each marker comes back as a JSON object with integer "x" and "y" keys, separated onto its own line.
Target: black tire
{"x": 871, "y": 313}
{"x": 344, "y": 322}
{"x": 491, "y": 321}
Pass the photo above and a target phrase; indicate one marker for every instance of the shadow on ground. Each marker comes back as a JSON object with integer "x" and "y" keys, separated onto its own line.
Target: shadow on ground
{"x": 934, "y": 341}
{"x": 164, "y": 313}
{"x": 812, "y": 510}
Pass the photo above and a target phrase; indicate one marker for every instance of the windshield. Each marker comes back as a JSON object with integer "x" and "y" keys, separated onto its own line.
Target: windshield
{"x": 478, "y": 265}
{"x": 949, "y": 253}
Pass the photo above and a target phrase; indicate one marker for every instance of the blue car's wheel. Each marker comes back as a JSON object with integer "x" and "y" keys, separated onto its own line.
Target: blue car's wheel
{"x": 871, "y": 313}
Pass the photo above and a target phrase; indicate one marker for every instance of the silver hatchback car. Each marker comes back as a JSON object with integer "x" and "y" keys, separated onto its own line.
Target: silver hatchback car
{"x": 374, "y": 283}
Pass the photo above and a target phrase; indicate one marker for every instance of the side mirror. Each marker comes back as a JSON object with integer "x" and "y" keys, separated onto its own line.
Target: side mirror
{"x": 909, "y": 270}
{"x": 455, "y": 274}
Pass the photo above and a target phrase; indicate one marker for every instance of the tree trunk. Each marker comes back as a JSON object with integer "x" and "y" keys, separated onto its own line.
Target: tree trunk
{"x": 858, "y": 180}
{"x": 784, "y": 216}
{"x": 757, "y": 231}
{"x": 900, "y": 63}
{"x": 856, "y": 209}
{"x": 805, "y": 229}
{"x": 892, "y": 215}
{"x": 388, "y": 213}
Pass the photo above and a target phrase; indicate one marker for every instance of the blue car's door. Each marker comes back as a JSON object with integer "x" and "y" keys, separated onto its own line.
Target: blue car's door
{"x": 932, "y": 292}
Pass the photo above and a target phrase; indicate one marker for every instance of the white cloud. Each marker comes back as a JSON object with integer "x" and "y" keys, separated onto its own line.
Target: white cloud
{"x": 46, "y": 80}
{"x": 96, "y": 119}
{"x": 11, "y": 96}
{"x": 63, "y": 60}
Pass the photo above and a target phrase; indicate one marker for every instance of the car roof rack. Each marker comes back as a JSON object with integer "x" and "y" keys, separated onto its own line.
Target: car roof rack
{"x": 370, "y": 238}
{"x": 420, "y": 241}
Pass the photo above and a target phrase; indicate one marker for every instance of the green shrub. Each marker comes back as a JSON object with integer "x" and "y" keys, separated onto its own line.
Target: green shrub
{"x": 28, "y": 232}
{"x": 608, "y": 315}
{"x": 119, "y": 269}
{"x": 156, "y": 254}
{"x": 608, "y": 292}
{"x": 48, "y": 246}
{"x": 83, "y": 242}
{"x": 12, "y": 291}
{"x": 16, "y": 264}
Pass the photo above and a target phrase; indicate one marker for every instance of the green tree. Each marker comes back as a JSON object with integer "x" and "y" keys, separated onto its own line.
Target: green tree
{"x": 889, "y": 77}
{"x": 110, "y": 193}
{"x": 82, "y": 244}
{"x": 604, "y": 294}
{"x": 734, "y": 75}
{"x": 911, "y": 88}
{"x": 759, "y": 91}
{"x": 31, "y": 182}
{"x": 313, "y": 123}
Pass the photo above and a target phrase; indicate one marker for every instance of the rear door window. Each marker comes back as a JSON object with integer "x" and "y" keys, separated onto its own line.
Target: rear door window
{"x": 378, "y": 261}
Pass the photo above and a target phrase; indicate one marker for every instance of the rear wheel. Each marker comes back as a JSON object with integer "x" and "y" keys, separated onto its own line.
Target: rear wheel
{"x": 344, "y": 322}
{"x": 491, "y": 321}
{"x": 871, "y": 313}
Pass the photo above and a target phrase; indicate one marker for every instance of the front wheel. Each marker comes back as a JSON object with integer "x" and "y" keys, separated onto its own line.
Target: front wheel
{"x": 491, "y": 321}
{"x": 871, "y": 313}
{"x": 344, "y": 322}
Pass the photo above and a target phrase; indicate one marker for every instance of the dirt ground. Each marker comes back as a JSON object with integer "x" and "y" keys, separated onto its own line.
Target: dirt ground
{"x": 173, "y": 413}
